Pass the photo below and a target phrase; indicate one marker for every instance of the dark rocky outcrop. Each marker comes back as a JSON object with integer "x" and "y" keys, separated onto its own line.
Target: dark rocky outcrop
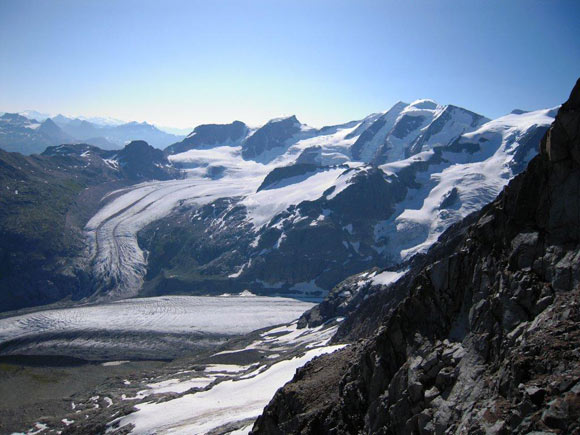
{"x": 215, "y": 249}
{"x": 210, "y": 135}
{"x": 137, "y": 161}
{"x": 278, "y": 175}
{"x": 487, "y": 339}
{"x": 140, "y": 161}
{"x": 367, "y": 136}
{"x": 271, "y": 136}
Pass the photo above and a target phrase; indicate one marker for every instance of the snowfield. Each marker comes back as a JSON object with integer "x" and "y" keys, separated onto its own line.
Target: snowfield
{"x": 159, "y": 326}
{"x": 459, "y": 185}
{"x": 232, "y": 405}
{"x": 449, "y": 185}
{"x": 227, "y": 402}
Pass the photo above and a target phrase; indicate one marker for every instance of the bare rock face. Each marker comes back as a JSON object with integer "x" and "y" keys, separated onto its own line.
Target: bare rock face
{"x": 488, "y": 338}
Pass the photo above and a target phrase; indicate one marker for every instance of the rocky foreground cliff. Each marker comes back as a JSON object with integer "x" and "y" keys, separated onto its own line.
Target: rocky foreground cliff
{"x": 487, "y": 340}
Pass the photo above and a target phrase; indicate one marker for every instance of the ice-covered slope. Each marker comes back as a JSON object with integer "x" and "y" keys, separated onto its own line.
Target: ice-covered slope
{"x": 118, "y": 263}
{"x": 251, "y": 211}
{"x": 217, "y": 391}
{"x": 211, "y": 136}
{"x": 457, "y": 180}
{"x": 419, "y": 126}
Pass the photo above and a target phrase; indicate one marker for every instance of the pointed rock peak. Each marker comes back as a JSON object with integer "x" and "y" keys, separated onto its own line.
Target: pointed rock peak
{"x": 285, "y": 119}
{"x": 562, "y": 142}
{"x": 60, "y": 118}
{"x": 49, "y": 122}
{"x": 450, "y": 108}
{"x": 573, "y": 102}
{"x": 425, "y": 104}
{"x": 397, "y": 108}
{"x": 399, "y": 105}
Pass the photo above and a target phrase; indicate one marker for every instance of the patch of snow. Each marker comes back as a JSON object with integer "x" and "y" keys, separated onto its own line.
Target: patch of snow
{"x": 387, "y": 277}
{"x": 226, "y": 368}
{"x": 40, "y": 427}
{"x": 178, "y": 386}
{"x": 264, "y": 205}
{"x": 227, "y": 402}
{"x": 114, "y": 363}
{"x": 308, "y": 287}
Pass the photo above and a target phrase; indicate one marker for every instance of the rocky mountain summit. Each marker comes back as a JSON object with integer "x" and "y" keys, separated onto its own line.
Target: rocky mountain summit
{"x": 486, "y": 339}
{"x": 210, "y": 135}
{"x": 18, "y": 133}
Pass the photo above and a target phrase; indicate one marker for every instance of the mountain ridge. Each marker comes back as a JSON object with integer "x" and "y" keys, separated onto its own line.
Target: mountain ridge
{"x": 475, "y": 344}
{"x": 209, "y": 221}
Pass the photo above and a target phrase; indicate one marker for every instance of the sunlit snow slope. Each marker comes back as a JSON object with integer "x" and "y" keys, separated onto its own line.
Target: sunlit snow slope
{"x": 161, "y": 327}
{"x": 362, "y": 194}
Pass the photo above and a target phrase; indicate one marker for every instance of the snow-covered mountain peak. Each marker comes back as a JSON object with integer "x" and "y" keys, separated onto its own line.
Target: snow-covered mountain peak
{"x": 520, "y": 121}
{"x": 423, "y": 104}
{"x": 208, "y": 136}
{"x": 102, "y": 120}
{"x": 35, "y": 115}
{"x": 282, "y": 189}
{"x": 286, "y": 119}
{"x": 454, "y": 180}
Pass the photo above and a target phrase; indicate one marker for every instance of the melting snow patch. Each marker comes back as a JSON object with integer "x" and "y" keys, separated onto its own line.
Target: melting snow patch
{"x": 227, "y": 402}
{"x": 387, "y": 277}
{"x": 226, "y": 368}
{"x": 39, "y": 428}
{"x": 114, "y": 363}
{"x": 177, "y": 386}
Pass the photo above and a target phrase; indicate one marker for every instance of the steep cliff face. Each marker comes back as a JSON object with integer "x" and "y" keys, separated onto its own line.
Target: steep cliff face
{"x": 487, "y": 339}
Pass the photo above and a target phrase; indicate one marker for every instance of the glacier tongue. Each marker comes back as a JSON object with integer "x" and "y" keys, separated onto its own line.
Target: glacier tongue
{"x": 118, "y": 263}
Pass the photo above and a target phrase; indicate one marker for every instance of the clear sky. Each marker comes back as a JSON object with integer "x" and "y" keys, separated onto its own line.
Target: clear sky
{"x": 186, "y": 62}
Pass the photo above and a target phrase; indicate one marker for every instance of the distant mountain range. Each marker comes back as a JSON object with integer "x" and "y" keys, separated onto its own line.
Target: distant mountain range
{"x": 31, "y": 132}
{"x": 231, "y": 207}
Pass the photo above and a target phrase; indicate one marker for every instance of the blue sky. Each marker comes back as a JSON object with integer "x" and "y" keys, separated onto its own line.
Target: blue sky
{"x": 182, "y": 63}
